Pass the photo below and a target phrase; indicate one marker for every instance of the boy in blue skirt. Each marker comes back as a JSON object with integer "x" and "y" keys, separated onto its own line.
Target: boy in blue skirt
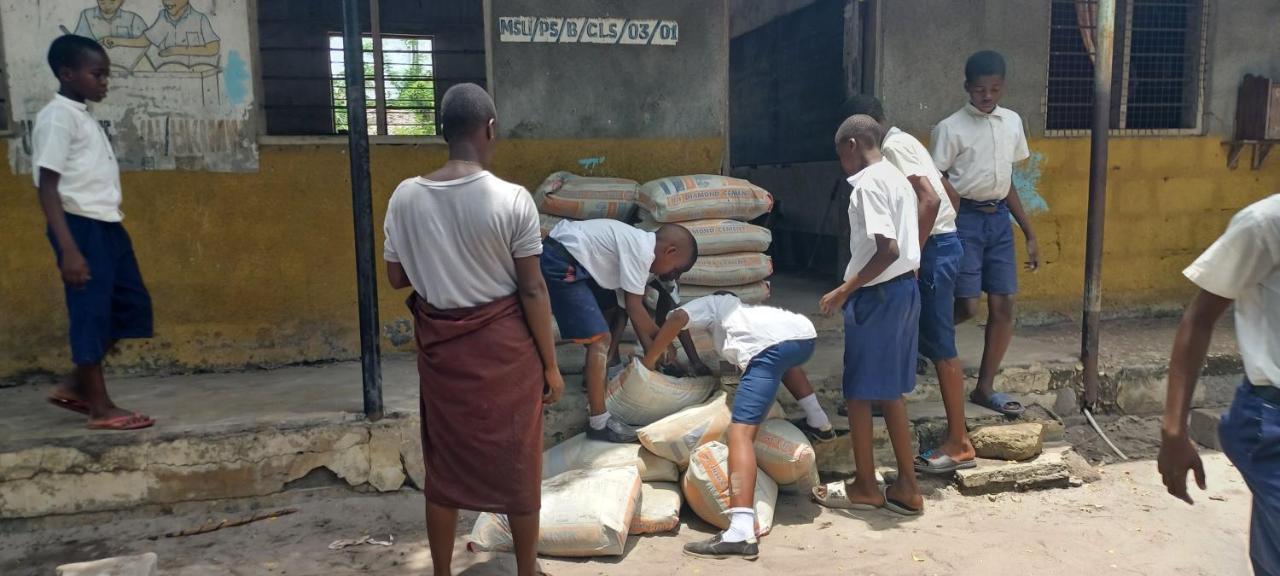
{"x": 881, "y": 304}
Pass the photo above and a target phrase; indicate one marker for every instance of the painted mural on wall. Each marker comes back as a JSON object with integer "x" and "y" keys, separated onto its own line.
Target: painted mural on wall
{"x": 181, "y": 89}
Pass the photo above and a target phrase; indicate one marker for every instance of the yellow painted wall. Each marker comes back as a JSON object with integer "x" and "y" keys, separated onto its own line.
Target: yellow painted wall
{"x": 258, "y": 269}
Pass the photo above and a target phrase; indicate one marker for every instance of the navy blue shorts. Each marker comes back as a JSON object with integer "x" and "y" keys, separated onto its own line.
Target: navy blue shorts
{"x": 939, "y": 266}
{"x": 577, "y": 302}
{"x": 989, "y": 263}
{"x": 759, "y": 385}
{"x": 1250, "y": 437}
{"x": 881, "y": 326}
{"x": 114, "y": 304}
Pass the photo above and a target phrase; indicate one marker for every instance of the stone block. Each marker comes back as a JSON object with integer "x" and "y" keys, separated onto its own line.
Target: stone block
{"x": 1080, "y": 469}
{"x": 386, "y": 470}
{"x": 140, "y": 565}
{"x": 1049, "y": 470}
{"x": 1204, "y": 427}
{"x": 1009, "y": 442}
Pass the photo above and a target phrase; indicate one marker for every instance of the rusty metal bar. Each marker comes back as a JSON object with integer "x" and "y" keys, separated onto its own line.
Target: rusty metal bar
{"x": 362, "y": 209}
{"x": 1105, "y": 43}
{"x": 379, "y": 77}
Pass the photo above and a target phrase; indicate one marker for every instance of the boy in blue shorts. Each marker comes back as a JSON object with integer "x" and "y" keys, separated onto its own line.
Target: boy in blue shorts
{"x": 583, "y": 264}
{"x": 769, "y": 345}
{"x": 78, "y": 178}
{"x": 881, "y": 304}
{"x": 939, "y": 265}
{"x": 976, "y": 148}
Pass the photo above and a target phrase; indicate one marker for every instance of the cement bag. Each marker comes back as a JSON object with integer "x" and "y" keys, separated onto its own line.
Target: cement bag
{"x": 641, "y": 397}
{"x": 676, "y": 436}
{"x": 785, "y": 454}
{"x": 729, "y": 270}
{"x": 756, "y": 293}
{"x": 580, "y": 453}
{"x": 718, "y": 236}
{"x": 706, "y": 488}
{"x": 546, "y": 222}
{"x": 584, "y": 198}
{"x": 659, "y": 509}
{"x": 701, "y": 196}
{"x": 584, "y": 513}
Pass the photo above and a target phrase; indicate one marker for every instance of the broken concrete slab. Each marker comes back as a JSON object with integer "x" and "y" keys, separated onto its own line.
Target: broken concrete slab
{"x": 1049, "y": 470}
{"x": 140, "y": 565}
{"x": 1081, "y": 471}
{"x": 1204, "y": 427}
{"x": 1017, "y": 442}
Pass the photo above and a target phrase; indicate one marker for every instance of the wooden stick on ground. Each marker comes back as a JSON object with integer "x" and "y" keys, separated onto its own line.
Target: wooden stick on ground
{"x": 224, "y": 523}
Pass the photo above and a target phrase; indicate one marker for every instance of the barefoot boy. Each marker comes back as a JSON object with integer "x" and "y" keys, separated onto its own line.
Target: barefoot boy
{"x": 769, "y": 345}
{"x": 79, "y": 181}
{"x": 881, "y": 306}
{"x": 584, "y": 263}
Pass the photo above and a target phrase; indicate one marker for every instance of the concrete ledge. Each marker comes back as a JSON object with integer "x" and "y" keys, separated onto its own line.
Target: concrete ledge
{"x": 1049, "y": 470}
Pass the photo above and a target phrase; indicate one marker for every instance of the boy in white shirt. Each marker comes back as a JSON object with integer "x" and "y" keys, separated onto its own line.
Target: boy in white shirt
{"x": 78, "y": 177}
{"x": 976, "y": 148}
{"x": 769, "y": 345}
{"x": 1242, "y": 267}
{"x": 881, "y": 304}
{"x": 939, "y": 265}
{"x": 583, "y": 264}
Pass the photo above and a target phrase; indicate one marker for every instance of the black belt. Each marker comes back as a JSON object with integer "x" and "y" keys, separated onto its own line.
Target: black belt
{"x": 988, "y": 207}
{"x": 904, "y": 276}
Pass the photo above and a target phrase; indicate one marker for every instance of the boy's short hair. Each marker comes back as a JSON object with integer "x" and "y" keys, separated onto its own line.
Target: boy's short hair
{"x": 862, "y": 129}
{"x": 984, "y": 63}
{"x": 66, "y": 50}
{"x": 681, "y": 237}
{"x": 465, "y": 108}
{"x": 864, "y": 104}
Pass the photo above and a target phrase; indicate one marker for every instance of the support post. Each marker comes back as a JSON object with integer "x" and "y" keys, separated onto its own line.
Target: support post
{"x": 1105, "y": 42}
{"x": 362, "y": 209}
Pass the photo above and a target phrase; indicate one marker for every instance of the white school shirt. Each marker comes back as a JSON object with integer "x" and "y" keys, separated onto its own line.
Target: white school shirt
{"x": 616, "y": 255}
{"x": 910, "y": 157}
{"x": 458, "y": 240}
{"x": 191, "y": 28}
{"x": 68, "y": 140}
{"x": 123, "y": 24}
{"x": 742, "y": 331}
{"x": 978, "y": 151}
{"x": 882, "y": 203}
{"x": 1244, "y": 265}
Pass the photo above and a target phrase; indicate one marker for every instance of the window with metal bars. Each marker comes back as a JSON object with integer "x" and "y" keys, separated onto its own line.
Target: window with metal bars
{"x": 400, "y": 96}
{"x": 1158, "y": 66}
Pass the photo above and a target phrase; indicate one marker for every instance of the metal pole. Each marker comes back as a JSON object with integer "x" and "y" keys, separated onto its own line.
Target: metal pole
{"x": 362, "y": 209}
{"x": 379, "y": 76}
{"x": 1105, "y": 46}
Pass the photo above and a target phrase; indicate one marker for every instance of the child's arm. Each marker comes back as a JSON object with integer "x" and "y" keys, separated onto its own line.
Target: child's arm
{"x": 75, "y": 269}
{"x": 886, "y": 254}
{"x": 927, "y": 204}
{"x": 537, "y": 314}
{"x": 396, "y": 275}
{"x": 210, "y": 49}
{"x": 674, "y": 325}
{"x": 665, "y": 304}
{"x": 1019, "y": 216}
{"x": 952, "y": 195}
{"x": 113, "y": 41}
{"x": 646, "y": 328}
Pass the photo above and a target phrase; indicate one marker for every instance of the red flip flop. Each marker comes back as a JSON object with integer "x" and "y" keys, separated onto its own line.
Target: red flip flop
{"x": 133, "y": 421}
{"x": 77, "y": 406}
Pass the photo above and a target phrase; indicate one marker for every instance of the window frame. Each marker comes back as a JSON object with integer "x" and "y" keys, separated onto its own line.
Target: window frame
{"x": 379, "y": 126}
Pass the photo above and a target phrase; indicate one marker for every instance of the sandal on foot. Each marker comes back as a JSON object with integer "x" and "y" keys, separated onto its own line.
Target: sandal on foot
{"x": 835, "y": 497}
{"x": 133, "y": 421}
{"x": 896, "y": 506}
{"x": 1000, "y": 402}
{"x": 72, "y": 404}
{"x": 938, "y": 463}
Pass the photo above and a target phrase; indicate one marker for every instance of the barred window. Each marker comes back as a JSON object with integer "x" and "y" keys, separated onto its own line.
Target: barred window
{"x": 1158, "y": 66}
{"x": 407, "y": 103}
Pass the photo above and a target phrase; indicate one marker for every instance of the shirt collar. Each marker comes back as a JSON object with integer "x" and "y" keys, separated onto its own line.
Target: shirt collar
{"x": 104, "y": 18}
{"x": 81, "y": 106}
{"x": 183, "y": 16}
{"x": 995, "y": 113}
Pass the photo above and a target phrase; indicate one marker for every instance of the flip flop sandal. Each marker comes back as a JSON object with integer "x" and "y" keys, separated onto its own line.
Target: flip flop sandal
{"x": 77, "y": 406}
{"x": 133, "y": 421}
{"x": 813, "y": 434}
{"x": 938, "y": 463}
{"x": 999, "y": 402}
{"x": 836, "y": 498}
{"x": 897, "y": 507}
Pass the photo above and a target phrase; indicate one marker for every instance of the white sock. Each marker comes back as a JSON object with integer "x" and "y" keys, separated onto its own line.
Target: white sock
{"x": 813, "y": 413}
{"x": 598, "y": 421}
{"x": 742, "y": 525}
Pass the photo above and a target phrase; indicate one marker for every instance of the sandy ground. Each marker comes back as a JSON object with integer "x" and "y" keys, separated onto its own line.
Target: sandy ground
{"x": 1122, "y": 524}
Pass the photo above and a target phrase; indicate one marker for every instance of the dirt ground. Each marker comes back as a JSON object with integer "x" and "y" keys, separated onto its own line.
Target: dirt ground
{"x": 1122, "y": 524}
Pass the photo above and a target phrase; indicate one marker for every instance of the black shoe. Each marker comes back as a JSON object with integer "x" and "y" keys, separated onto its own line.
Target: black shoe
{"x": 813, "y": 434}
{"x": 615, "y": 431}
{"x": 718, "y": 549}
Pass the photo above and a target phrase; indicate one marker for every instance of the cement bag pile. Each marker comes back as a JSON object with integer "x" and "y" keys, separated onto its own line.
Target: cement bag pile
{"x": 659, "y": 509}
{"x": 584, "y": 513}
{"x": 729, "y": 270}
{"x": 586, "y": 197}
{"x": 546, "y": 222}
{"x": 641, "y": 397}
{"x": 719, "y": 236}
{"x": 702, "y": 196}
{"x": 785, "y": 454}
{"x": 676, "y": 436}
{"x": 581, "y": 453}
{"x": 706, "y": 488}
{"x": 751, "y": 294}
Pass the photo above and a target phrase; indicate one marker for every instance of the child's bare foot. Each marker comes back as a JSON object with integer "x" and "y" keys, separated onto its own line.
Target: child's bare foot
{"x": 864, "y": 494}
{"x": 905, "y": 500}
{"x": 959, "y": 451}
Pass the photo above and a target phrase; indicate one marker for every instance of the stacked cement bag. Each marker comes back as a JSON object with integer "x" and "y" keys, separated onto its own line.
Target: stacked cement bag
{"x": 567, "y": 196}
{"x": 641, "y": 397}
{"x": 706, "y": 488}
{"x": 581, "y": 453}
{"x": 715, "y": 209}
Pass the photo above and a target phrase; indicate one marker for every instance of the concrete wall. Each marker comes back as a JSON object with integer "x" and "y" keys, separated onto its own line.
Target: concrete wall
{"x": 582, "y": 90}
{"x": 1242, "y": 40}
